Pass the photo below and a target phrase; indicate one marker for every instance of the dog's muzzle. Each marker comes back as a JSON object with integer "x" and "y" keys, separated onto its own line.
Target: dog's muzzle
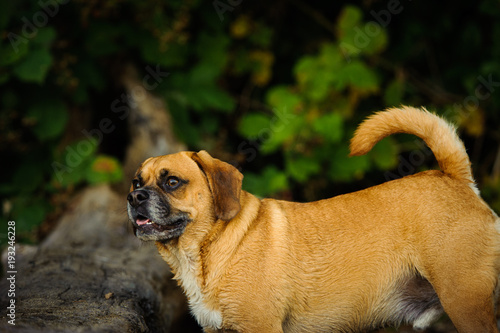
{"x": 151, "y": 218}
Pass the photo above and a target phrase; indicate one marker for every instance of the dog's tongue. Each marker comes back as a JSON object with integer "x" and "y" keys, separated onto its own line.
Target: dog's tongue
{"x": 143, "y": 222}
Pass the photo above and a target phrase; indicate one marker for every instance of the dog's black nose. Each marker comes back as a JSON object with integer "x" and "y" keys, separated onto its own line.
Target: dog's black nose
{"x": 137, "y": 197}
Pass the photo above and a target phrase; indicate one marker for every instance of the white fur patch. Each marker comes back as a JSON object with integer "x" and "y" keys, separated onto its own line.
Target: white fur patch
{"x": 426, "y": 319}
{"x": 497, "y": 221}
{"x": 205, "y": 316}
{"x": 473, "y": 186}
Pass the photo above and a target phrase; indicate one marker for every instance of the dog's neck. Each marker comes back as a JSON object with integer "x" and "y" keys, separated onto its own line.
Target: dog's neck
{"x": 195, "y": 254}
{"x": 189, "y": 262}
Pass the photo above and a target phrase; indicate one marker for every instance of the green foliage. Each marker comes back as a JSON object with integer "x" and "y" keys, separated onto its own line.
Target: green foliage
{"x": 49, "y": 119}
{"x": 319, "y": 107}
{"x": 394, "y": 93}
{"x": 104, "y": 169}
{"x": 330, "y": 127}
{"x": 34, "y": 65}
{"x": 384, "y": 154}
{"x": 343, "y": 168}
{"x": 29, "y": 212}
{"x": 283, "y": 102}
{"x": 356, "y": 37}
{"x": 252, "y": 124}
{"x": 301, "y": 168}
{"x": 271, "y": 180}
{"x": 80, "y": 162}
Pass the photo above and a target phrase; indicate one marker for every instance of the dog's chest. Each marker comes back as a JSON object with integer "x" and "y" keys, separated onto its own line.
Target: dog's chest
{"x": 205, "y": 316}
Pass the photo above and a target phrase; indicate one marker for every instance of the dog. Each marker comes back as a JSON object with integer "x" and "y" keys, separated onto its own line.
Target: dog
{"x": 403, "y": 252}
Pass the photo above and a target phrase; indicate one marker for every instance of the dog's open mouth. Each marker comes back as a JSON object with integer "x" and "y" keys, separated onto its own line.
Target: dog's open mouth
{"x": 146, "y": 225}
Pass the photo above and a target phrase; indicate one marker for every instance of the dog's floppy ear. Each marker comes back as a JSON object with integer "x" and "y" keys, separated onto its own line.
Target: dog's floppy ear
{"x": 225, "y": 183}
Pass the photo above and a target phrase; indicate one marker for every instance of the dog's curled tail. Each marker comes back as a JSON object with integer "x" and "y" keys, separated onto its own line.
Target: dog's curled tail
{"x": 439, "y": 135}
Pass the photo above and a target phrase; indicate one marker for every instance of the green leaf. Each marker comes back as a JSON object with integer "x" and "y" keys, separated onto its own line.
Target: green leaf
{"x": 330, "y": 126}
{"x": 50, "y": 119}
{"x": 356, "y": 37}
{"x": 252, "y": 124}
{"x": 330, "y": 57}
{"x": 212, "y": 50}
{"x": 11, "y": 55}
{"x": 29, "y": 213}
{"x": 45, "y": 36}
{"x": 347, "y": 29}
{"x": 319, "y": 84}
{"x": 345, "y": 168}
{"x": 301, "y": 168}
{"x": 360, "y": 76}
{"x": 281, "y": 97}
{"x": 316, "y": 76}
{"x": 282, "y": 129}
{"x": 35, "y": 66}
{"x": 220, "y": 100}
{"x": 305, "y": 67}
{"x": 269, "y": 182}
{"x": 19, "y": 44}
{"x": 203, "y": 74}
{"x": 75, "y": 162}
{"x": 104, "y": 169}
{"x": 210, "y": 97}
{"x": 375, "y": 38}
{"x": 385, "y": 154}
{"x": 312, "y": 77}
{"x": 349, "y": 18}
{"x": 394, "y": 92}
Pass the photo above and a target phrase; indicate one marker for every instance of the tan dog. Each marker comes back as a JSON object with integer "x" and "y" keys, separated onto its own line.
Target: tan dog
{"x": 397, "y": 253}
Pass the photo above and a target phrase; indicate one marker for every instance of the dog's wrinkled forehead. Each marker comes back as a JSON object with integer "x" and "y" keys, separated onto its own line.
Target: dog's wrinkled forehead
{"x": 180, "y": 165}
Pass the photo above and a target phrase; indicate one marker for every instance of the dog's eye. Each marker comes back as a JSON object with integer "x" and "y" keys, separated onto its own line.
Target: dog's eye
{"x": 172, "y": 182}
{"x": 136, "y": 184}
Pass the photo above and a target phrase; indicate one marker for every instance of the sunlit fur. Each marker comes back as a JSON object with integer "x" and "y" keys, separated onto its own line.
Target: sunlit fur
{"x": 355, "y": 262}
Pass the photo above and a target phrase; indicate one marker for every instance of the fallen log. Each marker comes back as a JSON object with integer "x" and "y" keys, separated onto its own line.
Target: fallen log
{"x": 91, "y": 274}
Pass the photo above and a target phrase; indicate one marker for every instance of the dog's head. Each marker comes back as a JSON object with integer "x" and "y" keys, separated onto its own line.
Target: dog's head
{"x": 173, "y": 193}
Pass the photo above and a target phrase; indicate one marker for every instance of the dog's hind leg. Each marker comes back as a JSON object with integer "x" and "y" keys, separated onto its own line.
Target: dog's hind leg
{"x": 476, "y": 316}
{"x": 467, "y": 296}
